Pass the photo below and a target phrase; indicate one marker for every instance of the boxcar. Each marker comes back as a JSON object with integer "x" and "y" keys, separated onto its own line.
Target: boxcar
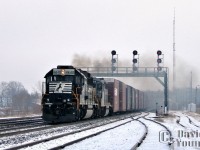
{"x": 129, "y": 98}
{"x": 141, "y": 100}
{"x": 136, "y": 99}
{"x": 122, "y": 96}
{"x": 133, "y": 104}
{"x": 113, "y": 93}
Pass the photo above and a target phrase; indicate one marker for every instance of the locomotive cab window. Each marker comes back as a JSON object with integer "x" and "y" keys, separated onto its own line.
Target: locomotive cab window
{"x": 63, "y": 78}
{"x": 54, "y": 78}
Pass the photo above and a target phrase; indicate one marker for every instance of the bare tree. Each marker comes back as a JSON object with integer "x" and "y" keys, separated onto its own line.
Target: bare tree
{"x": 37, "y": 92}
{"x": 16, "y": 100}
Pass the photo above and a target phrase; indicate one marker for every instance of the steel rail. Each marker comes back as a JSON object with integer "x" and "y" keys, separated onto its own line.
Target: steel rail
{"x": 65, "y": 134}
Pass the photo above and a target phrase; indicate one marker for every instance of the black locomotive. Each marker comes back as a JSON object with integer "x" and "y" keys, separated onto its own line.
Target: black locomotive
{"x": 71, "y": 94}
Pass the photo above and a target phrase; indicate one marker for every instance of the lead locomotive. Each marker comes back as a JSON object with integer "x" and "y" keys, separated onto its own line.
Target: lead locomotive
{"x": 71, "y": 94}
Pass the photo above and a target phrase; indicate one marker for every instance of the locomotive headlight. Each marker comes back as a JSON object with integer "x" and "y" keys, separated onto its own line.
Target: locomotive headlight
{"x": 64, "y": 100}
{"x": 68, "y": 100}
{"x": 62, "y": 72}
{"x": 47, "y": 100}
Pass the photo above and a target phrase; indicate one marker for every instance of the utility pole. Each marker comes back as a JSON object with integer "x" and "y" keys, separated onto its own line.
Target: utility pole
{"x": 174, "y": 62}
{"x": 191, "y": 100}
{"x": 174, "y": 59}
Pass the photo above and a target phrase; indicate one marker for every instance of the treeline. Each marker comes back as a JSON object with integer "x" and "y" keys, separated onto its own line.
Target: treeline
{"x": 16, "y": 100}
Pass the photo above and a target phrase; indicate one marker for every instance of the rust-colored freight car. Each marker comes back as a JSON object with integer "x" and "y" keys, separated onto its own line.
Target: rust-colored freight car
{"x": 113, "y": 93}
{"x": 141, "y": 100}
{"x": 133, "y": 106}
{"x": 129, "y": 98}
{"x": 122, "y": 96}
{"x": 136, "y": 99}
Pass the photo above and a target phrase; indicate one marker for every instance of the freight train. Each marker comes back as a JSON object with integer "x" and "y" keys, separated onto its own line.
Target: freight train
{"x": 71, "y": 94}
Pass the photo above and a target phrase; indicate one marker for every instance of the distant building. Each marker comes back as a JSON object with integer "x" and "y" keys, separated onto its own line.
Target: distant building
{"x": 192, "y": 107}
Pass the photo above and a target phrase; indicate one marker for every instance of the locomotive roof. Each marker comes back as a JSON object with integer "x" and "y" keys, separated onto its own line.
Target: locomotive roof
{"x": 58, "y": 67}
{"x": 83, "y": 73}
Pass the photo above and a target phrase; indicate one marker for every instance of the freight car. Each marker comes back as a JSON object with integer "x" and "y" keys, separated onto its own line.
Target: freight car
{"x": 71, "y": 94}
{"x": 124, "y": 98}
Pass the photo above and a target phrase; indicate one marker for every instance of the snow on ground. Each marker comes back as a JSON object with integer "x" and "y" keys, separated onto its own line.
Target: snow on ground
{"x": 194, "y": 117}
{"x": 119, "y": 138}
{"x": 152, "y": 140}
{"x": 16, "y": 140}
{"x": 185, "y": 121}
{"x": 124, "y": 137}
{"x": 183, "y": 136}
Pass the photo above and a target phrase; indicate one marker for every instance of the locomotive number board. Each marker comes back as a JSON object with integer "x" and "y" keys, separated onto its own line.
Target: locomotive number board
{"x": 63, "y": 72}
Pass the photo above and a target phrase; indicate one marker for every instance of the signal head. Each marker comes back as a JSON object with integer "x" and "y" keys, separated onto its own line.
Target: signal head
{"x": 113, "y": 52}
{"x": 134, "y": 61}
{"x": 135, "y": 52}
{"x": 159, "y": 52}
{"x": 159, "y": 60}
{"x": 113, "y": 61}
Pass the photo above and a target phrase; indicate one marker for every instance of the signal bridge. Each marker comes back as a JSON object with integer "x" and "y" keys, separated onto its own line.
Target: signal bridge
{"x": 161, "y": 72}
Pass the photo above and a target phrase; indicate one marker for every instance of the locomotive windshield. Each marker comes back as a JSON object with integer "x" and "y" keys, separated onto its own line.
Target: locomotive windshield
{"x": 63, "y": 78}
{"x": 60, "y": 78}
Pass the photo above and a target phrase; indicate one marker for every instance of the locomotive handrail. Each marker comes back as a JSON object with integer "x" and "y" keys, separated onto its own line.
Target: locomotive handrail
{"x": 76, "y": 97}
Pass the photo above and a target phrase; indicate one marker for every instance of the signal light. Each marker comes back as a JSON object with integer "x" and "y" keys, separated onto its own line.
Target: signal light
{"x": 159, "y": 52}
{"x": 159, "y": 60}
{"x": 135, "y": 52}
{"x": 113, "y": 60}
{"x": 113, "y": 52}
{"x": 134, "y": 60}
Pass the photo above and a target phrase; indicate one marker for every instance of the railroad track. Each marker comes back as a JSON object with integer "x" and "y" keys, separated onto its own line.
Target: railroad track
{"x": 191, "y": 122}
{"x": 23, "y": 129}
{"x": 90, "y": 135}
{"x": 116, "y": 137}
{"x": 143, "y": 121}
{"x": 78, "y": 127}
{"x": 9, "y": 123}
{"x": 14, "y": 120}
{"x": 135, "y": 146}
{"x": 178, "y": 121}
{"x": 19, "y": 125}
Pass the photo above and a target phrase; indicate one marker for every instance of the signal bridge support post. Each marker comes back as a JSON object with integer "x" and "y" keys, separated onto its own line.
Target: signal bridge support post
{"x": 128, "y": 72}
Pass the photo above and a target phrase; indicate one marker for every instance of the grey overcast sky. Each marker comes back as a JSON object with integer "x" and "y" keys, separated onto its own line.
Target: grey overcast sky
{"x": 37, "y": 35}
